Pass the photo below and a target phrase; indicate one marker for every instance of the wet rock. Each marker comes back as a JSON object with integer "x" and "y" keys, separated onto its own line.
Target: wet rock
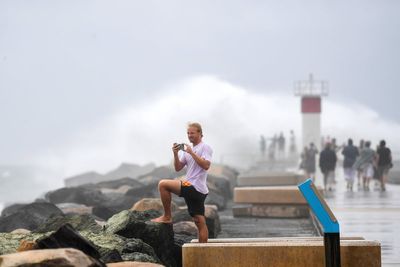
{"x": 117, "y": 203}
{"x": 78, "y": 222}
{"x": 215, "y": 198}
{"x": 21, "y": 231}
{"x": 104, "y": 212}
{"x": 74, "y": 208}
{"x": 80, "y": 195}
{"x": 112, "y": 256}
{"x": 212, "y": 219}
{"x": 137, "y": 256}
{"x": 225, "y": 172}
{"x": 134, "y": 224}
{"x": 163, "y": 172}
{"x": 67, "y": 257}
{"x": 9, "y": 243}
{"x": 151, "y": 204}
{"x": 11, "y": 209}
{"x": 116, "y": 184}
{"x": 67, "y": 237}
{"x": 106, "y": 243}
{"x": 26, "y": 245}
{"x": 222, "y": 184}
{"x": 148, "y": 191}
{"x": 187, "y": 228}
{"x": 29, "y": 216}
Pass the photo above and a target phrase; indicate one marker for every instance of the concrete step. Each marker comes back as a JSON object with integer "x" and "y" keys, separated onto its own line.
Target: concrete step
{"x": 271, "y": 211}
{"x": 269, "y": 179}
{"x": 269, "y": 195}
{"x": 279, "y": 253}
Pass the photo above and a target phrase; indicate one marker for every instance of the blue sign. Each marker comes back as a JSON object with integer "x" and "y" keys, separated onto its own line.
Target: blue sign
{"x": 319, "y": 207}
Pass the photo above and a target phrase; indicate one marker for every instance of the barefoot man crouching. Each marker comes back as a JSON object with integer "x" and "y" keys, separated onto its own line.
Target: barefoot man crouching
{"x": 194, "y": 188}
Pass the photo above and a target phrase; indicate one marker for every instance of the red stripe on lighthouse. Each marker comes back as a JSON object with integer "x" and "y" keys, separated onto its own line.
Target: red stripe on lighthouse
{"x": 311, "y": 105}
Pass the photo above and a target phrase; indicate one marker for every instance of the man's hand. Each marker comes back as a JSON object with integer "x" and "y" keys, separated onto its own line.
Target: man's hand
{"x": 177, "y": 164}
{"x": 188, "y": 149}
{"x": 175, "y": 148}
{"x": 205, "y": 164}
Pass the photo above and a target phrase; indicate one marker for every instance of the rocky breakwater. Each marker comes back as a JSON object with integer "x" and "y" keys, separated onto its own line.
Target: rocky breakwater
{"x": 107, "y": 222}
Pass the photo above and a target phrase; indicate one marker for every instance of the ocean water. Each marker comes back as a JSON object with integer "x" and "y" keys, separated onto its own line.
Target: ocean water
{"x": 22, "y": 184}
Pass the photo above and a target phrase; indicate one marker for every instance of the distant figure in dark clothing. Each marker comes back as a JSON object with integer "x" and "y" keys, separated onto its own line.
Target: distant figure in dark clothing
{"x": 310, "y": 162}
{"x": 262, "y": 146}
{"x": 365, "y": 163}
{"x": 384, "y": 159}
{"x": 350, "y": 154}
{"x": 281, "y": 145}
{"x": 327, "y": 163}
{"x": 359, "y": 172}
{"x": 292, "y": 145}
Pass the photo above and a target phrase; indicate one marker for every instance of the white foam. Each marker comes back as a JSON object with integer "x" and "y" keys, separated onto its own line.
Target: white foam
{"x": 233, "y": 118}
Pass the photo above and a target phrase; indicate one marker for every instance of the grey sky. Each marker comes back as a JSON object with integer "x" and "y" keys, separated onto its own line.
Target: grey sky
{"x": 67, "y": 64}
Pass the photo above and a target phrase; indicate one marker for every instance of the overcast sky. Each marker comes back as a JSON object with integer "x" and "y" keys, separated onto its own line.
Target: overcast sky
{"x": 68, "y": 64}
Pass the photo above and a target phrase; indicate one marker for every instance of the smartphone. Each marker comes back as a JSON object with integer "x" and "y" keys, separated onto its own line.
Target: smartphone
{"x": 181, "y": 146}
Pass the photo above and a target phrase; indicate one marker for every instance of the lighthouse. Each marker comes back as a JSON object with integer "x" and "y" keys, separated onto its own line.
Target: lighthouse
{"x": 311, "y": 91}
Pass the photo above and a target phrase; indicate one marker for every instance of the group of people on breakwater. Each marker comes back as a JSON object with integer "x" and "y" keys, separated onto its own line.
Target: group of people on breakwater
{"x": 362, "y": 162}
{"x": 275, "y": 146}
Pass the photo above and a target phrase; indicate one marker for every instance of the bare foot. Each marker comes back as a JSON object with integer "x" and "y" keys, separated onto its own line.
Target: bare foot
{"x": 162, "y": 219}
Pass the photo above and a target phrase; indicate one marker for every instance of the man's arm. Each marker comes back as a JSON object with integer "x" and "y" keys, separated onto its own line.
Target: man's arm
{"x": 203, "y": 163}
{"x": 178, "y": 165}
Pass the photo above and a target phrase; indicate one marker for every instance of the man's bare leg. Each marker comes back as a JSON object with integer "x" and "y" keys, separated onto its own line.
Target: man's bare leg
{"x": 166, "y": 187}
{"x": 383, "y": 181}
{"x": 200, "y": 222}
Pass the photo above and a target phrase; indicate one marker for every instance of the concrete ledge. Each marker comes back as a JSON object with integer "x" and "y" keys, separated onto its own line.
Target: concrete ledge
{"x": 274, "y": 239}
{"x": 271, "y": 211}
{"x": 269, "y": 179}
{"x": 269, "y": 195}
{"x": 300, "y": 254}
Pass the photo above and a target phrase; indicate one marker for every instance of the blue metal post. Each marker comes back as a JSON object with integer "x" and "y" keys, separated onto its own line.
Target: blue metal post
{"x": 328, "y": 221}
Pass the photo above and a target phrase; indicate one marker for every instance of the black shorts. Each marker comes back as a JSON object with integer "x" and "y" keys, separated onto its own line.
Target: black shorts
{"x": 194, "y": 199}
{"x": 383, "y": 170}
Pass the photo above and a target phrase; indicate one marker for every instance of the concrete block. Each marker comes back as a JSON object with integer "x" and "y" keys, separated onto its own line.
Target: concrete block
{"x": 269, "y": 179}
{"x": 271, "y": 211}
{"x": 269, "y": 195}
{"x": 279, "y": 254}
{"x": 274, "y": 239}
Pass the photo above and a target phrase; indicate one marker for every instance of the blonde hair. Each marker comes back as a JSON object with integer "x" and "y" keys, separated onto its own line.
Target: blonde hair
{"x": 197, "y": 126}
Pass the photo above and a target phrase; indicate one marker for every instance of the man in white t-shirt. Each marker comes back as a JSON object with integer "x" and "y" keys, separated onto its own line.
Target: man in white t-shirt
{"x": 194, "y": 188}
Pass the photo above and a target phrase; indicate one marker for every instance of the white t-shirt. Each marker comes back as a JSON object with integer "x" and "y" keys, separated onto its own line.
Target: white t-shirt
{"x": 196, "y": 175}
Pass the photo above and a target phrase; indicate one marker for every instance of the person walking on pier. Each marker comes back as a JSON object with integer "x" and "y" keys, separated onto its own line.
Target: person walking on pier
{"x": 310, "y": 162}
{"x": 262, "y": 146}
{"x": 350, "y": 154}
{"x": 194, "y": 188}
{"x": 292, "y": 145}
{"x": 384, "y": 161}
{"x": 359, "y": 171}
{"x": 365, "y": 164}
{"x": 327, "y": 163}
{"x": 281, "y": 146}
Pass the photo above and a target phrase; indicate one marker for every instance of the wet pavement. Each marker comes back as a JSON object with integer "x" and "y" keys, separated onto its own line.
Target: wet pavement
{"x": 374, "y": 215}
{"x": 248, "y": 227}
